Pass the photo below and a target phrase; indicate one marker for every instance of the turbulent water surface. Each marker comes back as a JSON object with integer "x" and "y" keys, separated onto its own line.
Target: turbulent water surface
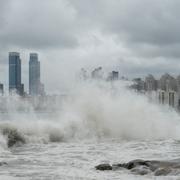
{"x": 76, "y": 160}
{"x": 95, "y": 125}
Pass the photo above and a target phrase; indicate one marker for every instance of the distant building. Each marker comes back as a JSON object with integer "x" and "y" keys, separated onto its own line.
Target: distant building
{"x": 35, "y": 85}
{"x": 15, "y": 85}
{"x": 150, "y": 83}
{"x": 1, "y": 89}
{"x": 138, "y": 85}
{"x": 97, "y": 73}
{"x": 178, "y": 84}
{"x": 167, "y": 82}
{"x": 167, "y": 90}
{"x": 114, "y": 75}
{"x": 83, "y": 74}
{"x": 169, "y": 97}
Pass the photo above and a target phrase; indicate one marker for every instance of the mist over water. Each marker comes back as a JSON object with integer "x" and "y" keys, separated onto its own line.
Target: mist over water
{"x": 95, "y": 110}
{"x": 98, "y": 122}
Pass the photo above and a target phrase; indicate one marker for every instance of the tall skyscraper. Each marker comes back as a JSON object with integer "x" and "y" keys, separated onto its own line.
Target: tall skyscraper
{"x": 15, "y": 74}
{"x": 35, "y": 86}
{"x": 1, "y": 89}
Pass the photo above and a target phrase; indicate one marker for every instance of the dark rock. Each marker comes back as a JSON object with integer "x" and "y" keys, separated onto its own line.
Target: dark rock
{"x": 142, "y": 170}
{"x": 135, "y": 163}
{"x": 3, "y": 163}
{"x": 162, "y": 171}
{"x": 142, "y": 167}
{"x": 103, "y": 167}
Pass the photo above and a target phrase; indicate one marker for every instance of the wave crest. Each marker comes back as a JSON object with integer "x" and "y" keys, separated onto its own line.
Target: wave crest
{"x": 96, "y": 111}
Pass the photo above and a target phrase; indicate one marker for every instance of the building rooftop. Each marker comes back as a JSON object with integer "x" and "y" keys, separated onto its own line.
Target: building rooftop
{"x": 14, "y": 54}
{"x": 33, "y": 54}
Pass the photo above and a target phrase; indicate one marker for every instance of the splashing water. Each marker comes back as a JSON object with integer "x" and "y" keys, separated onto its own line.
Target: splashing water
{"x": 98, "y": 110}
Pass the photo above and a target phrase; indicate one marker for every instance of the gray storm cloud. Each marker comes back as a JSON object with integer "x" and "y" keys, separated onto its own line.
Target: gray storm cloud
{"x": 33, "y": 24}
{"x": 145, "y": 24}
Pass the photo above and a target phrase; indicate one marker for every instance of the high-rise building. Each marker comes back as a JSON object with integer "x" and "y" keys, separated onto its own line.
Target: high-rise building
{"x": 1, "y": 89}
{"x": 114, "y": 75}
{"x": 35, "y": 86}
{"x": 97, "y": 73}
{"x": 150, "y": 83}
{"x": 15, "y": 74}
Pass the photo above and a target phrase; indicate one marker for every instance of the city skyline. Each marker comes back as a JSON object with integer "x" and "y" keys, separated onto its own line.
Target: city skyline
{"x": 123, "y": 34}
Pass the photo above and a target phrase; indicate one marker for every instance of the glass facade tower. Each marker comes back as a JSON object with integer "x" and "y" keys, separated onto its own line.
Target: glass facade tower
{"x": 34, "y": 75}
{"x": 15, "y": 73}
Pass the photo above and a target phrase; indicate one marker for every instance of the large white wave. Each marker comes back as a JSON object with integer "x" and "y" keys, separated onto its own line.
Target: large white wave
{"x": 97, "y": 110}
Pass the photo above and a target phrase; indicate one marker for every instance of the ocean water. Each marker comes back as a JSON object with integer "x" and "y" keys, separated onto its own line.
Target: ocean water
{"x": 96, "y": 124}
{"x": 76, "y": 160}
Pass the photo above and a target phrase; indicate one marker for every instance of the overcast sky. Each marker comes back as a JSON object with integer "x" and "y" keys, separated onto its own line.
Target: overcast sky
{"x": 136, "y": 37}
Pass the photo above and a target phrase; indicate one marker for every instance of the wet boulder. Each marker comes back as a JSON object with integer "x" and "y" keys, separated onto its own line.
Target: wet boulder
{"x": 162, "y": 171}
{"x": 143, "y": 167}
{"x": 3, "y": 163}
{"x": 134, "y": 163}
{"x": 104, "y": 167}
{"x": 141, "y": 170}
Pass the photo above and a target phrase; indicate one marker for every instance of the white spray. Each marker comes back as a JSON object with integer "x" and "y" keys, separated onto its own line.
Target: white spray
{"x": 99, "y": 110}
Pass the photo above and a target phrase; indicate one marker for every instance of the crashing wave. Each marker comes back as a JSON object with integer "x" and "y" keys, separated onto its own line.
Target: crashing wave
{"x": 13, "y": 136}
{"x": 92, "y": 112}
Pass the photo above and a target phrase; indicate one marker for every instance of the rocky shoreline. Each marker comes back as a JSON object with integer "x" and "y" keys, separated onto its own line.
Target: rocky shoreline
{"x": 144, "y": 167}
